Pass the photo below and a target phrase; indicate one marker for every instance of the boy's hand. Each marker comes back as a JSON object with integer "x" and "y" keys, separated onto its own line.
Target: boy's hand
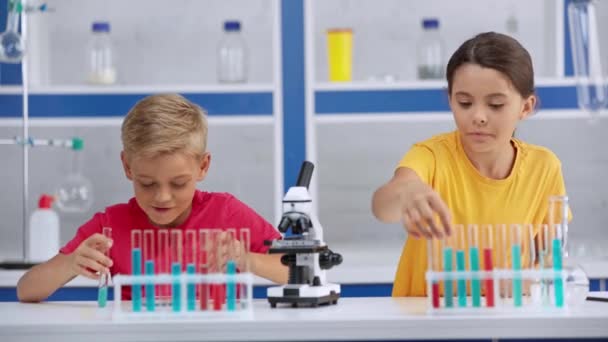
{"x": 230, "y": 248}
{"x": 420, "y": 206}
{"x": 89, "y": 260}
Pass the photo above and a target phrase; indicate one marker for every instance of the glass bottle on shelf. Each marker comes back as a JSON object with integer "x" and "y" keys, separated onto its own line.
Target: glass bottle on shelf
{"x": 101, "y": 68}
{"x": 232, "y": 55}
{"x": 75, "y": 192}
{"x": 430, "y": 51}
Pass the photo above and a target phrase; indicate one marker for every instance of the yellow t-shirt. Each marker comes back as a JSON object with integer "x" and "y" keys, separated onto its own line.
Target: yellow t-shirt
{"x": 522, "y": 197}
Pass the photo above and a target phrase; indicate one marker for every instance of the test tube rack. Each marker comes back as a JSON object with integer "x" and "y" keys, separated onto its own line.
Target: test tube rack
{"x": 496, "y": 269}
{"x": 185, "y": 274}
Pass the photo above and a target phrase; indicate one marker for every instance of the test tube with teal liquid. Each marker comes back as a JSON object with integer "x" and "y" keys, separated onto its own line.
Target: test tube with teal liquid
{"x": 104, "y": 280}
{"x": 176, "y": 269}
{"x": 233, "y": 247}
{"x": 515, "y": 243}
{"x": 190, "y": 261}
{"x": 556, "y": 250}
{"x": 448, "y": 268}
{"x": 149, "y": 267}
{"x": 474, "y": 264}
{"x": 461, "y": 283}
{"x": 136, "y": 246}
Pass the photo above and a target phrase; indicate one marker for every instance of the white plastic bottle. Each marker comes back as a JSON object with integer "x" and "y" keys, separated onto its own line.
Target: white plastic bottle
{"x": 430, "y": 51}
{"x": 232, "y": 55}
{"x": 101, "y": 67}
{"x": 43, "y": 234}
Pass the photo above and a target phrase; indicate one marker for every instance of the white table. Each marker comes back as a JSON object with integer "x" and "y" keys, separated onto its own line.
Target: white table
{"x": 375, "y": 318}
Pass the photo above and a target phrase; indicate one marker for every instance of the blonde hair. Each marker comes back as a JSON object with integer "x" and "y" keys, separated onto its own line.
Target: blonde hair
{"x": 162, "y": 124}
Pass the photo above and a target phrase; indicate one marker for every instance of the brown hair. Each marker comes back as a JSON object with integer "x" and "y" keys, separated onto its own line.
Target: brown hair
{"x": 164, "y": 123}
{"x": 499, "y": 52}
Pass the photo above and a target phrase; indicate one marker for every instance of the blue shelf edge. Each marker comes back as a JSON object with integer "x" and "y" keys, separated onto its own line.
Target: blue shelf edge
{"x": 9, "y": 294}
{"x": 421, "y": 100}
{"x": 117, "y": 105}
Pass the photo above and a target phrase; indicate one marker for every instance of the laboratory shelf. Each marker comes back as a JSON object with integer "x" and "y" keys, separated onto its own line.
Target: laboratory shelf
{"x": 89, "y": 101}
{"x": 419, "y": 96}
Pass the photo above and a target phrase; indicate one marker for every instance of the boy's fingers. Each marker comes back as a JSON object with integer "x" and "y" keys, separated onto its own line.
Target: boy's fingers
{"x": 97, "y": 256}
{"x": 84, "y": 272}
{"x": 85, "y": 263}
{"x": 100, "y": 240}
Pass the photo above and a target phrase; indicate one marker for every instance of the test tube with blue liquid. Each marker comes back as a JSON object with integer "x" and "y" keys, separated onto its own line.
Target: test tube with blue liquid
{"x": 232, "y": 245}
{"x": 461, "y": 283}
{"x": 516, "y": 265}
{"x": 149, "y": 268}
{"x": 176, "y": 269}
{"x": 448, "y": 268}
{"x": 190, "y": 261}
{"x": 104, "y": 280}
{"x": 136, "y": 260}
{"x": 474, "y": 265}
{"x": 557, "y": 255}
{"x": 164, "y": 258}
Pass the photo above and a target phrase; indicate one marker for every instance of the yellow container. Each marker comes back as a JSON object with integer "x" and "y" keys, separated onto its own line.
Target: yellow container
{"x": 340, "y": 54}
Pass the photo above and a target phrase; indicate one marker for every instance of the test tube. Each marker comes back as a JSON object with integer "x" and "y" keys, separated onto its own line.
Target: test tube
{"x": 136, "y": 247}
{"x": 487, "y": 244}
{"x": 190, "y": 261}
{"x": 559, "y": 214}
{"x": 544, "y": 260}
{"x": 557, "y": 265}
{"x": 474, "y": 264}
{"x": 502, "y": 261}
{"x": 203, "y": 266}
{"x": 448, "y": 267}
{"x": 164, "y": 257}
{"x": 149, "y": 254}
{"x": 434, "y": 265}
{"x": 516, "y": 239}
{"x": 245, "y": 240}
{"x": 460, "y": 246}
{"x": 102, "y": 294}
{"x": 218, "y": 249}
{"x": 176, "y": 268}
{"x": 231, "y": 269}
{"x": 529, "y": 253}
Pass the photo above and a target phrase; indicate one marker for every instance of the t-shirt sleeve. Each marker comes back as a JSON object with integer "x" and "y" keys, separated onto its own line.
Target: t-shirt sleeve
{"x": 421, "y": 159}
{"x": 242, "y": 216}
{"x": 89, "y": 228}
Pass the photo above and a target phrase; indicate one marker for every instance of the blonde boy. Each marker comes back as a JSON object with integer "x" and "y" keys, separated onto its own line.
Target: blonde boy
{"x": 164, "y": 155}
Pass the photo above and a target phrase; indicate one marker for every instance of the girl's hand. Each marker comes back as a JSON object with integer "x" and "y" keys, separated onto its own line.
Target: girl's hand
{"x": 420, "y": 207}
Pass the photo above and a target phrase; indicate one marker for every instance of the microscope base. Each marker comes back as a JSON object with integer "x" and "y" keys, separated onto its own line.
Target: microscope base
{"x": 304, "y": 295}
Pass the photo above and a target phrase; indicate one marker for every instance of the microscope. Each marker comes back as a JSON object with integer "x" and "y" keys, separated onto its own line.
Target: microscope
{"x": 304, "y": 251}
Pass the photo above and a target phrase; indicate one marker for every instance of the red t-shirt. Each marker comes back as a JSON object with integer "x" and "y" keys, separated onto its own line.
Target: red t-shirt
{"x": 209, "y": 210}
